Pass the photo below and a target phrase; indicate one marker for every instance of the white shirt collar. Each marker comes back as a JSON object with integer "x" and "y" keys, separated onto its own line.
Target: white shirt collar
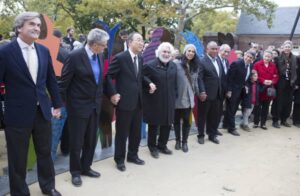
{"x": 132, "y": 54}
{"x": 88, "y": 51}
{"x": 212, "y": 59}
{"x": 24, "y": 45}
{"x": 221, "y": 58}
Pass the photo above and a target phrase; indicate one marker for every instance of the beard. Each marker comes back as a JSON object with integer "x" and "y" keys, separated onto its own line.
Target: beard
{"x": 163, "y": 59}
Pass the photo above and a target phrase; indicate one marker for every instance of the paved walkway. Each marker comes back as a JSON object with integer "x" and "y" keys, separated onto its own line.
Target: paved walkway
{"x": 258, "y": 163}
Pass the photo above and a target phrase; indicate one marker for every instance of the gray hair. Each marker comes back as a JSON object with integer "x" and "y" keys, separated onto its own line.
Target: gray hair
{"x": 162, "y": 46}
{"x": 22, "y": 18}
{"x": 131, "y": 35}
{"x": 250, "y": 52}
{"x": 224, "y": 47}
{"x": 97, "y": 36}
{"x": 288, "y": 42}
{"x": 268, "y": 52}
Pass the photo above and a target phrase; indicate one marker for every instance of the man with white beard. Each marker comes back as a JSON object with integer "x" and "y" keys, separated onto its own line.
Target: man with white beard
{"x": 159, "y": 105}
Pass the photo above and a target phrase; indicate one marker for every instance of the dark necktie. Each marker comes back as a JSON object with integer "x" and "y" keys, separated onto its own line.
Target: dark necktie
{"x": 94, "y": 56}
{"x": 135, "y": 65}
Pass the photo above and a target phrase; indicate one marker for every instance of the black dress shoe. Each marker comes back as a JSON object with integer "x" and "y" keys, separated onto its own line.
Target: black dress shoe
{"x": 276, "y": 125}
{"x": 297, "y": 125}
{"x": 201, "y": 140}
{"x": 285, "y": 124}
{"x": 185, "y": 147}
{"x": 177, "y": 145}
{"x": 76, "y": 181}
{"x": 219, "y": 133}
{"x": 91, "y": 173}
{"x": 154, "y": 153}
{"x": 165, "y": 150}
{"x": 214, "y": 140}
{"x": 121, "y": 166}
{"x": 264, "y": 127}
{"x": 136, "y": 161}
{"x": 52, "y": 192}
{"x": 233, "y": 132}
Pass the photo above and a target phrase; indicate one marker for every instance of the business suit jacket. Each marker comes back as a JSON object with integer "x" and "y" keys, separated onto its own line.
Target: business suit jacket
{"x": 224, "y": 75}
{"x": 78, "y": 85}
{"x": 208, "y": 79}
{"x": 128, "y": 84}
{"x": 236, "y": 76}
{"x": 22, "y": 94}
{"x": 210, "y": 82}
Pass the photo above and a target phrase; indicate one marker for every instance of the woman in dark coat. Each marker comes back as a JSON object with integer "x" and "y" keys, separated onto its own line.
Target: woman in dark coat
{"x": 159, "y": 106}
{"x": 287, "y": 72}
{"x": 296, "y": 106}
{"x": 187, "y": 83}
{"x": 267, "y": 77}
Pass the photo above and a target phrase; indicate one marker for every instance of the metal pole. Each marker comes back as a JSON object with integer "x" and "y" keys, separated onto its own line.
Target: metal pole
{"x": 295, "y": 24}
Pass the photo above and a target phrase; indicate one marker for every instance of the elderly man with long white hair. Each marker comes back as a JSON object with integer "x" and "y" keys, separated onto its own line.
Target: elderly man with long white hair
{"x": 159, "y": 105}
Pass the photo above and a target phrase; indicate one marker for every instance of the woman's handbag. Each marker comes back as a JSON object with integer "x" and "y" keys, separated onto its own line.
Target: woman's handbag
{"x": 271, "y": 92}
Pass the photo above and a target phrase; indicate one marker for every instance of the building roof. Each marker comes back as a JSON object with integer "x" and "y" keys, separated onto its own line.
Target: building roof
{"x": 283, "y": 21}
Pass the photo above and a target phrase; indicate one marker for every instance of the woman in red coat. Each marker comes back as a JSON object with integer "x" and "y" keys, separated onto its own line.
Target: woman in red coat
{"x": 267, "y": 77}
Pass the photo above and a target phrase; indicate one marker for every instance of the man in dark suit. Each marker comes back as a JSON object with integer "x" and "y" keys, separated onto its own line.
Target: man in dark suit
{"x": 237, "y": 77}
{"x": 126, "y": 94}
{"x": 27, "y": 72}
{"x": 69, "y": 39}
{"x": 224, "y": 52}
{"x": 209, "y": 83}
{"x": 81, "y": 86}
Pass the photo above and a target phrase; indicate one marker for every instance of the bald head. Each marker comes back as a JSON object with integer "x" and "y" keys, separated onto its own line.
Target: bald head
{"x": 212, "y": 49}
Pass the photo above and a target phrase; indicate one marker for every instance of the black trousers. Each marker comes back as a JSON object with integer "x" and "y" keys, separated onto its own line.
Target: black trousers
{"x": 164, "y": 132}
{"x": 261, "y": 112}
{"x": 184, "y": 115}
{"x": 282, "y": 104}
{"x": 17, "y": 151}
{"x": 296, "y": 113}
{"x": 209, "y": 115}
{"x": 64, "y": 140}
{"x": 83, "y": 140}
{"x": 232, "y": 105}
{"x": 128, "y": 125}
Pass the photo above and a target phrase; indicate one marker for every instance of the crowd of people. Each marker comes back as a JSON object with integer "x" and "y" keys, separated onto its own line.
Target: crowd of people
{"x": 162, "y": 93}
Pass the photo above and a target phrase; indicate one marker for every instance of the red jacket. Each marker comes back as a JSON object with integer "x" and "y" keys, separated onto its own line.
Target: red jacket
{"x": 266, "y": 73}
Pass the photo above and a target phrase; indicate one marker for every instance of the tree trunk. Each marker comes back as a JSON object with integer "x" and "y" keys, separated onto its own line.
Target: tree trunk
{"x": 180, "y": 28}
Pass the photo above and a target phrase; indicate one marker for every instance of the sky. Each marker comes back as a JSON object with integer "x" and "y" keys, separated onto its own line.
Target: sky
{"x": 287, "y": 3}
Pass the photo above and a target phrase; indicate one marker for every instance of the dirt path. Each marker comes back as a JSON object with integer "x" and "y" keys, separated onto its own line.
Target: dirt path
{"x": 259, "y": 163}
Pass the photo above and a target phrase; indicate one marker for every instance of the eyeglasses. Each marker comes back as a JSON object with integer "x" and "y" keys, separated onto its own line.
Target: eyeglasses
{"x": 102, "y": 44}
{"x": 139, "y": 40}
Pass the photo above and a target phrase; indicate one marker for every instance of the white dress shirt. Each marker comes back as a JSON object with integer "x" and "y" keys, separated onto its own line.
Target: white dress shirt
{"x": 30, "y": 57}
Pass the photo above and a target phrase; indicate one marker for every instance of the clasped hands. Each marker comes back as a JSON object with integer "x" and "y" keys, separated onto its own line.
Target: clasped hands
{"x": 56, "y": 113}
